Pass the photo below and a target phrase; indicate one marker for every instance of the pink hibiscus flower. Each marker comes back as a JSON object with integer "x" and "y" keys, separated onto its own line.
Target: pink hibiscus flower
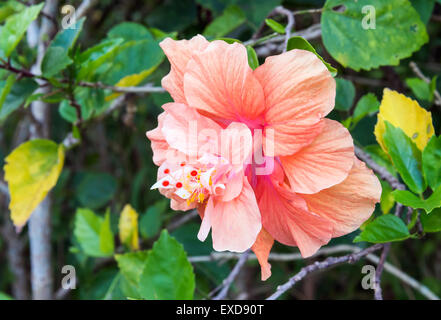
{"x": 252, "y": 151}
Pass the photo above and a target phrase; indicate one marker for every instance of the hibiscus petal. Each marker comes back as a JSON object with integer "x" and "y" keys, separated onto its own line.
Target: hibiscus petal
{"x": 235, "y": 224}
{"x": 262, "y": 248}
{"x": 350, "y": 203}
{"x": 219, "y": 82}
{"x": 187, "y": 131}
{"x": 179, "y": 54}
{"x": 322, "y": 164}
{"x": 158, "y": 143}
{"x": 299, "y": 92}
{"x": 286, "y": 217}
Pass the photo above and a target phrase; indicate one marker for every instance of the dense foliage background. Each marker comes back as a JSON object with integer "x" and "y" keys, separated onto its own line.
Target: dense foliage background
{"x": 108, "y": 161}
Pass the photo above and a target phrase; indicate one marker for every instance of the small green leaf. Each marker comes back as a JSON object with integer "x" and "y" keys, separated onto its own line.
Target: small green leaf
{"x": 303, "y": 44}
{"x": 131, "y": 266}
{"x": 432, "y": 162}
{"x": 387, "y": 198}
{"x": 367, "y": 105}
{"x": 406, "y": 157}
{"x": 55, "y": 60}
{"x": 150, "y": 221}
{"x": 107, "y": 245}
{"x": 431, "y": 222}
{"x": 410, "y": 200}
{"x": 420, "y": 88}
{"x": 379, "y": 156}
{"x": 93, "y": 58}
{"x": 231, "y": 18}
{"x": 15, "y": 27}
{"x": 277, "y": 27}
{"x": 6, "y": 88}
{"x": 18, "y": 94}
{"x": 253, "y": 61}
{"x": 167, "y": 273}
{"x": 345, "y": 94}
{"x": 89, "y": 230}
{"x": 385, "y": 228}
{"x": 67, "y": 37}
{"x": 4, "y": 296}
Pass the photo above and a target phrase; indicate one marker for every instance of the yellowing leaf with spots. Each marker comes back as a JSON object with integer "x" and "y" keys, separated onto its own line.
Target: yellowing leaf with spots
{"x": 128, "y": 227}
{"x": 406, "y": 114}
{"x": 31, "y": 171}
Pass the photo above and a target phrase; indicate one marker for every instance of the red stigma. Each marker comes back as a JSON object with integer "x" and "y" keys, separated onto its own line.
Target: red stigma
{"x": 165, "y": 183}
{"x": 179, "y": 185}
{"x": 166, "y": 171}
{"x": 194, "y": 173}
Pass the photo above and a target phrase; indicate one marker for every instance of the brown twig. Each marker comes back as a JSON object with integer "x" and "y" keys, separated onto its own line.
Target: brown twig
{"x": 290, "y": 25}
{"x": 381, "y": 171}
{"x": 228, "y": 281}
{"x": 420, "y": 75}
{"x": 325, "y": 264}
{"x": 378, "y": 272}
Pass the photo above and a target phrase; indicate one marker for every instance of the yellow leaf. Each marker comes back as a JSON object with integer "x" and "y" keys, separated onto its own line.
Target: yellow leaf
{"x": 406, "y": 114}
{"x": 31, "y": 171}
{"x": 130, "y": 81}
{"x": 128, "y": 227}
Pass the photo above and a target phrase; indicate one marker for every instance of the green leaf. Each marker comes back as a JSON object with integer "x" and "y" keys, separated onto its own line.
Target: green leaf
{"x": 150, "y": 221}
{"x": 95, "y": 189}
{"x": 303, "y": 44}
{"x": 91, "y": 59}
{"x": 139, "y": 56}
{"x": 424, "y": 9}
{"x": 55, "y": 60}
{"x": 167, "y": 273}
{"x": 385, "y": 228}
{"x": 107, "y": 245}
{"x": 67, "y": 37}
{"x": 345, "y": 94}
{"x": 15, "y": 27}
{"x": 131, "y": 266}
{"x": 397, "y": 34}
{"x": 230, "y": 19}
{"x": 89, "y": 230}
{"x": 277, "y": 27}
{"x": 410, "y": 200}
{"x": 19, "y": 92}
{"x": 379, "y": 156}
{"x": 6, "y": 88}
{"x": 130, "y": 31}
{"x": 420, "y": 88}
{"x": 253, "y": 60}
{"x": 31, "y": 171}
{"x": 367, "y": 105}
{"x": 387, "y": 198}
{"x": 431, "y": 222}
{"x": 432, "y": 162}
{"x": 406, "y": 157}
{"x": 4, "y": 296}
